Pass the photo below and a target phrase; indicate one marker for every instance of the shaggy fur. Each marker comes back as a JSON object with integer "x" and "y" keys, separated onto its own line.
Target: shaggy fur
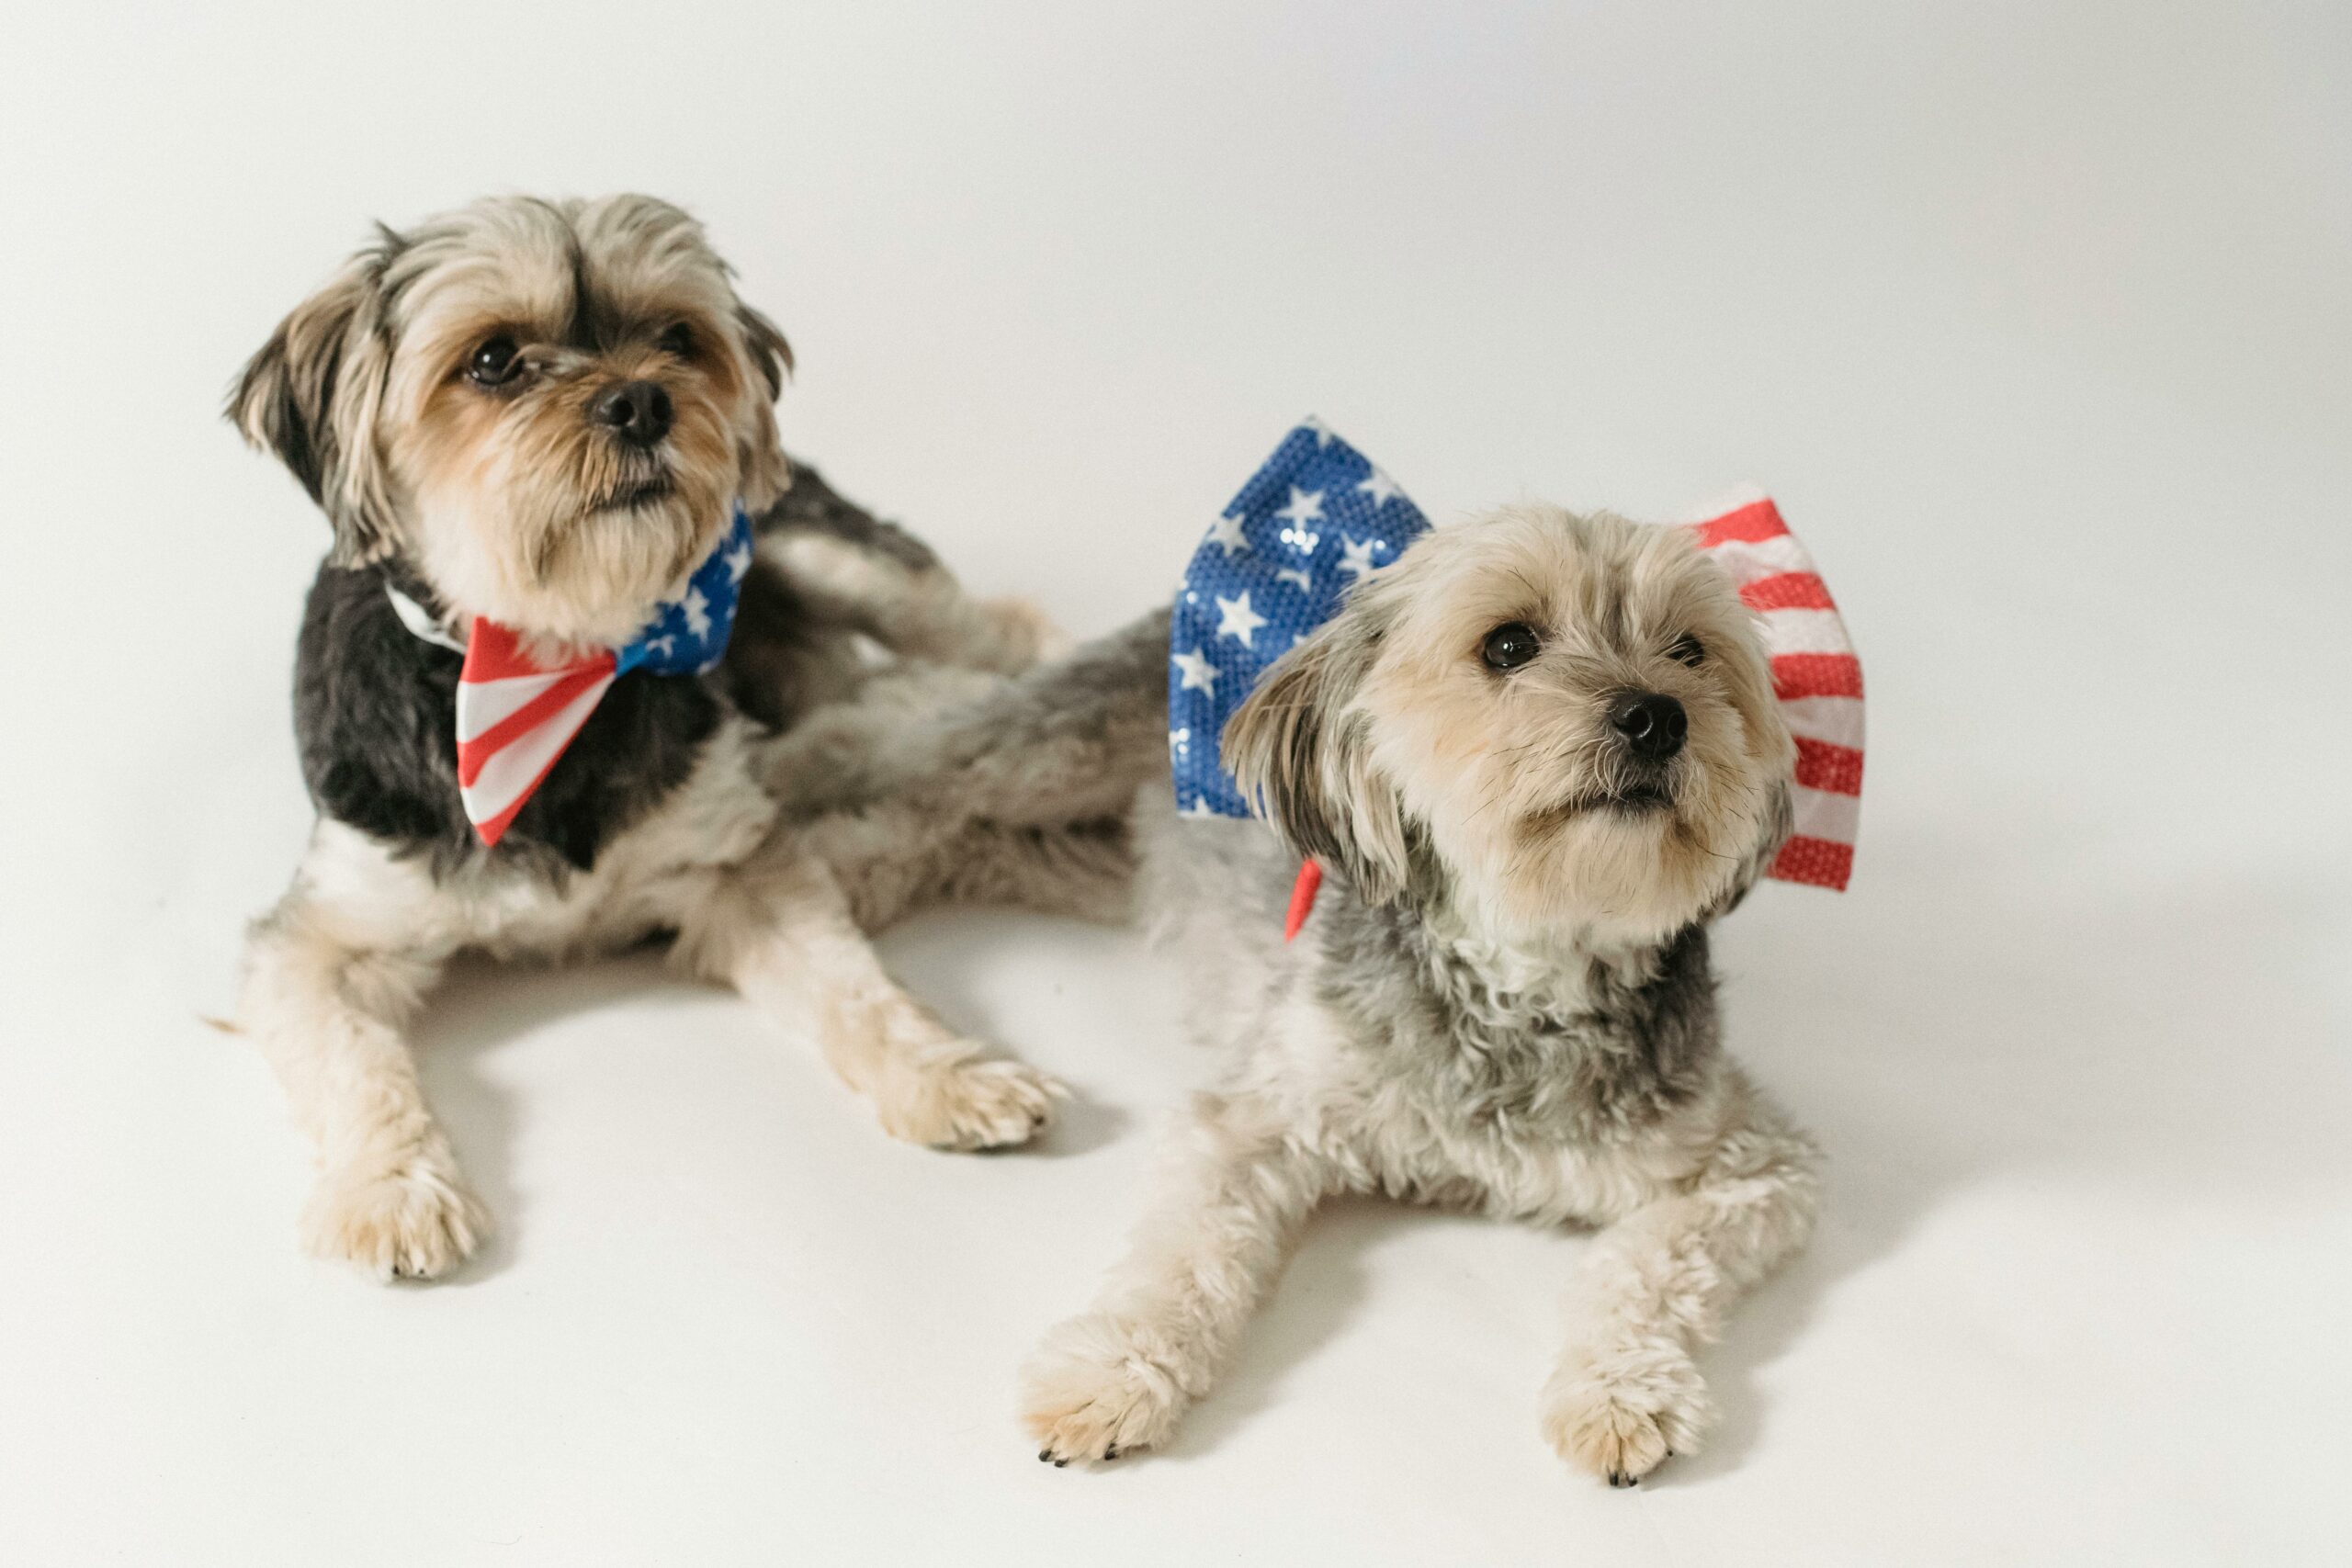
{"x": 1502, "y": 1000}
{"x": 512, "y": 496}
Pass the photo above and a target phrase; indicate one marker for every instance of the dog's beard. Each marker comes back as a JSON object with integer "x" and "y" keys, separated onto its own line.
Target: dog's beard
{"x": 1565, "y": 834}
{"x": 547, "y": 524}
{"x": 1643, "y": 848}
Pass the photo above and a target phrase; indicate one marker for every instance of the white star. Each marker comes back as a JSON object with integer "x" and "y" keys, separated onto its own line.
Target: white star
{"x": 739, "y": 562}
{"x": 1305, "y": 506}
{"x": 697, "y": 609}
{"x": 661, "y": 645}
{"x": 1226, "y": 531}
{"x": 1356, "y": 558}
{"x": 1381, "y": 488}
{"x": 1178, "y": 740}
{"x": 1306, "y": 583}
{"x": 1201, "y": 810}
{"x": 1237, "y": 619}
{"x": 1198, "y": 674}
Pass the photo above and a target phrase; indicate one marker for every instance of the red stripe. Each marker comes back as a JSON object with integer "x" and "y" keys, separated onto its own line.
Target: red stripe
{"x": 1818, "y": 862}
{"x": 472, "y": 755}
{"x": 1834, "y": 770}
{"x": 1816, "y": 675}
{"x": 1757, "y": 520}
{"x": 489, "y": 832}
{"x": 492, "y": 654}
{"x": 1787, "y": 590}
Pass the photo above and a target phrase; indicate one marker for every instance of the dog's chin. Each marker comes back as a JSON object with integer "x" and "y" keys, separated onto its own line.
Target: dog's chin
{"x": 639, "y": 495}
{"x": 586, "y": 569}
{"x": 1621, "y": 863}
{"x": 1627, "y": 804}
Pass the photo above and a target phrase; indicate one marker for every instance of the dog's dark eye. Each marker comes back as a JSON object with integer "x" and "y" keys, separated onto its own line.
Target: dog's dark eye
{"x": 1510, "y": 645}
{"x": 678, "y": 341}
{"x": 1688, "y": 649}
{"x": 494, "y": 362}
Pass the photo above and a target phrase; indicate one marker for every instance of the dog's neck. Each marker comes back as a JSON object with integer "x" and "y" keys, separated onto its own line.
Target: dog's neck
{"x": 1554, "y": 972}
{"x": 1566, "y": 1039}
{"x": 376, "y": 720}
{"x": 432, "y": 616}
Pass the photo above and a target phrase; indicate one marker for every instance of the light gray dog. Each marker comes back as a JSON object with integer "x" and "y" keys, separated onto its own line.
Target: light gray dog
{"x": 1536, "y": 758}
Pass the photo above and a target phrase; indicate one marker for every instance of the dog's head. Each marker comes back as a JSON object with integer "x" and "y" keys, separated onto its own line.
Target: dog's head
{"x": 1567, "y": 723}
{"x": 544, "y": 407}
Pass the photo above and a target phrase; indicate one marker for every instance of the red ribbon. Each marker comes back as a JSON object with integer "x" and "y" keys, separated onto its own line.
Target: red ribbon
{"x": 1302, "y": 898}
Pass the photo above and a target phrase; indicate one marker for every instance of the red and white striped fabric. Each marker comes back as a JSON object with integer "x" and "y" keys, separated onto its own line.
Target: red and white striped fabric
{"x": 514, "y": 718}
{"x": 1816, "y": 674}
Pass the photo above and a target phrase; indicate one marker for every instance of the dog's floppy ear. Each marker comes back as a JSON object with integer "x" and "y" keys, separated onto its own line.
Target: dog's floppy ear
{"x": 1301, "y": 751}
{"x": 311, "y": 396}
{"x": 769, "y": 354}
{"x": 766, "y": 474}
{"x": 1773, "y": 827}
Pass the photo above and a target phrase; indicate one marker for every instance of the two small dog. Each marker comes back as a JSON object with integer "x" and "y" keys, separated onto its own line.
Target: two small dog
{"x": 543, "y": 415}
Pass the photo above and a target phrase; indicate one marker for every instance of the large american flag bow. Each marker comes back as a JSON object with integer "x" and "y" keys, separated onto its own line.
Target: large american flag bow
{"x": 1816, "y": 674}
{"x": 1319, "y": 518}
{"x": 516, "y": 714}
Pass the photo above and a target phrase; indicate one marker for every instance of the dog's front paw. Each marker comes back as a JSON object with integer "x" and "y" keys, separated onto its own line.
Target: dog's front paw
{"x": 410, "y": 1220}
{"x": 1622, "y": 1412}
{"x": 1097, "y": 1387}
{"x": 970, "y": 1102}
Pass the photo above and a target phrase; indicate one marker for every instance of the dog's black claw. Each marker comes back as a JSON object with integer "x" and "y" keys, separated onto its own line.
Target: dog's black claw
{"x": 1110, "y": 1453}
{"x": 1044, "y": 1456}
{"x": 1619, "y": 1479}
{"x": 1060, "y": 1464}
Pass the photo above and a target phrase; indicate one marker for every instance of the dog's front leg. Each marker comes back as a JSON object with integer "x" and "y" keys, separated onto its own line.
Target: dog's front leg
{"x": 1625, "y": 1393}
{"x": 1228, "y": 1211}
{"x": 779, "y": 928}
{"x": 328, "y": 1015}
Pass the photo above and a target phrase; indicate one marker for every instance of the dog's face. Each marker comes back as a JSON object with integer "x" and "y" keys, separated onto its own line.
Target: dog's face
{"x": 1571, "y": 717}
{"x": 545, "y": 408}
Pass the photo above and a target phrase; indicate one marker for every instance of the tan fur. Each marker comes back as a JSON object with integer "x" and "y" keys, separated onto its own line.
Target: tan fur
{"x": 501, "y": 497}
{"x": 1500, "y": 769}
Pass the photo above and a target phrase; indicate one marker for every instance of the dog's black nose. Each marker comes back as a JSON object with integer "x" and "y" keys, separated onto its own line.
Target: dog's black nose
{"x": 1653, "y": 725}
{"x": 638, "y": 412}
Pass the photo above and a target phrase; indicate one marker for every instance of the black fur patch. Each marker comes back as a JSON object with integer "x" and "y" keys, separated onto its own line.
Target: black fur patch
{"x": 375, "y": 708}
{"x": 376, "y": 715}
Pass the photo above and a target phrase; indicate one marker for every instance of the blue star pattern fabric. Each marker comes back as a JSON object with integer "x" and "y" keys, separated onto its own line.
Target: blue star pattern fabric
{"x": 1315, "y": 521}
{"x": 688, "y": 634}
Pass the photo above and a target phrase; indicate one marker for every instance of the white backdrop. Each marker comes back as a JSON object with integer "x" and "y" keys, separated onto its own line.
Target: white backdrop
{"x": 2034, "y": 318}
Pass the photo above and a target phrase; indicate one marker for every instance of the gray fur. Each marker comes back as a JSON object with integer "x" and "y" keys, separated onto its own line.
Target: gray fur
{"x": 1404, "y": 1043}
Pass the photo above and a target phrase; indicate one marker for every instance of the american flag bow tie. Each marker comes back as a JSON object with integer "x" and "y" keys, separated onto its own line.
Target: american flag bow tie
{"x": 516, "y": 714}
{"x": 1319, "y": 518}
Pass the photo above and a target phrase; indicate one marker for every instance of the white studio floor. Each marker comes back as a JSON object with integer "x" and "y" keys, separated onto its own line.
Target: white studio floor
{"x": 2033, "y": 318}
